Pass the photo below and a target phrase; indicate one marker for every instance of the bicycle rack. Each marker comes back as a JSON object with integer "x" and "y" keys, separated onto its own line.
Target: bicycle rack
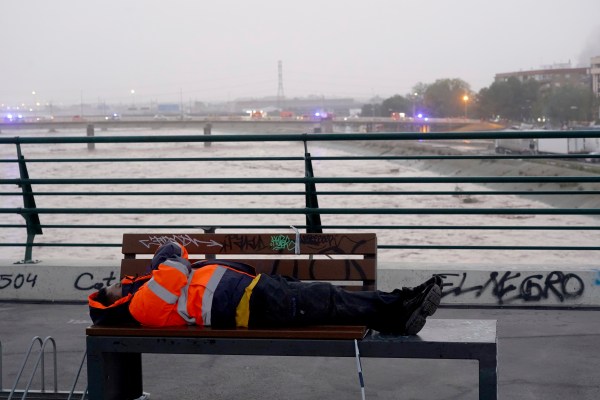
{"x": 40, "y": 358}
{"x": 77, "y": 378}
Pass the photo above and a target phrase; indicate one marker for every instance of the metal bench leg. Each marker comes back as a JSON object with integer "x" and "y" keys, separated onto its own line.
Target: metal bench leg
{"x": 114, "y": 376}
{"x": 95, "y": 373}
{"x": 488, "y": 378}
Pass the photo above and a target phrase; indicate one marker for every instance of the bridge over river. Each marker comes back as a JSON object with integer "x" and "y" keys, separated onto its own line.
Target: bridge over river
{"x": 245, "y": 124}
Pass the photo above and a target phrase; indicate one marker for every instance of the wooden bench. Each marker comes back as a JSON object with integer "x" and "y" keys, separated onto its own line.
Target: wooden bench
{"x": 114, "y": 352}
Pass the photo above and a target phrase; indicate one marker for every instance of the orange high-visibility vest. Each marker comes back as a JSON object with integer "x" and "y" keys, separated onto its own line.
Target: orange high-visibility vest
{"x": 180, "y": 295}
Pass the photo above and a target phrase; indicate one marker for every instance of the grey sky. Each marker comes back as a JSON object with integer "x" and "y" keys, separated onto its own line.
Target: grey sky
{"x": 210, "y": 51}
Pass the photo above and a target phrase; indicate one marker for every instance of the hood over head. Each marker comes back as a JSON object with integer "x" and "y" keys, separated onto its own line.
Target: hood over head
{"x": 118, "y": 312}
{"x": 167, "y": 251}
{"x": 115, "y": 314}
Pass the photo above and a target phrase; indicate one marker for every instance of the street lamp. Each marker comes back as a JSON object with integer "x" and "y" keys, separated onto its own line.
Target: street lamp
{"x": 414, "y": 96}
{"x": 466, "y": 100}
{"x": 132, "y": 91}
{"x": 32, "y": 108}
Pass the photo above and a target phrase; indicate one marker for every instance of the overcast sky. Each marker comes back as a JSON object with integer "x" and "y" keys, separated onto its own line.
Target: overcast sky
{"x": 68, "y": 50}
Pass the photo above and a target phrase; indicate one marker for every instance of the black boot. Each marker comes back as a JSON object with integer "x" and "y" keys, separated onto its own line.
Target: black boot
{"x": 418, "y": 308}
{"x": 417, "y": 290}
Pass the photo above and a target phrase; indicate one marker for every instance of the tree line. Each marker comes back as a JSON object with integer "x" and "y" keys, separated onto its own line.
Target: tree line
{"x": 512, "y": 100}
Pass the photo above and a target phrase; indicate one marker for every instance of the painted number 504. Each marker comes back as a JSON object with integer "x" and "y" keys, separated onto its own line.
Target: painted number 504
{"x": 17, "y": 281}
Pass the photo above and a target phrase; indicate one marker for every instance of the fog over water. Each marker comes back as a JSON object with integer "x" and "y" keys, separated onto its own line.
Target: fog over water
{"x": 322, "y": 168}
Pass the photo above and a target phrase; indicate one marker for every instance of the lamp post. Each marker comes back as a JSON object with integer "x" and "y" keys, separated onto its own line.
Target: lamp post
{"x": 32, "y": 108}
{"x": 414, "y": 104}
{"x": 132, "y": 91}
{"x": 466, "y": 100}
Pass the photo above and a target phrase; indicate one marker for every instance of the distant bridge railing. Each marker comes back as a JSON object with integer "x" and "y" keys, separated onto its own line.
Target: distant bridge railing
{"x": 419, "y": 192}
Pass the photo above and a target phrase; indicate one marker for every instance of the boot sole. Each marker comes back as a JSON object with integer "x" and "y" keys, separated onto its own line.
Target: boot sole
{"x": 430, "y": 303}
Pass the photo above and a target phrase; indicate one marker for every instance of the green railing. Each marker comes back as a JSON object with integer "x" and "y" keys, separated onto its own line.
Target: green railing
{"x": 447, "y": 192}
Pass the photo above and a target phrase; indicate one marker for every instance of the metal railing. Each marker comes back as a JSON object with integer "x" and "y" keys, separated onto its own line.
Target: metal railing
{"x": 383, "y": 182}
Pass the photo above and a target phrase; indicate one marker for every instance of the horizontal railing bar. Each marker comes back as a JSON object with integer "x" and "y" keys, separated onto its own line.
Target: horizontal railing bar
{"x": 154, "y": 159}
{"x": 459, "y": 157}
{"x": 358, "y": 211}
{"x": 314, "y": 158}
{"x": 153, "y": 226}
{"x": 61, "y": 244}
{"x": 172, "y": 193}
{"x": 348, "y": 227}
{"x": 324, "y": 193}
{"x": 305, "y": 137}
{"x": 304, "y": 180}
{"x": 383, "y": 247}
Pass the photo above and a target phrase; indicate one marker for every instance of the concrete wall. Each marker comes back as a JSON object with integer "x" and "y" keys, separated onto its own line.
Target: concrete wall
{"x": 530, "y": 285}
{"x": 53, "y": 281}
{"x": 506, "y": 285}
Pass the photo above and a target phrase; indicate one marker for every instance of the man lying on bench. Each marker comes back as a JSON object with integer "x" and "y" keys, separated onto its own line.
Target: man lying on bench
{"x": 227, "y": 294}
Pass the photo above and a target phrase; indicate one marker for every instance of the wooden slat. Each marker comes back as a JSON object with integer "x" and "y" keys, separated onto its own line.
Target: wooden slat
{"x": 339, "y": 243}
{"x": 309, "y": 332}
{"x": 327, "y": 270}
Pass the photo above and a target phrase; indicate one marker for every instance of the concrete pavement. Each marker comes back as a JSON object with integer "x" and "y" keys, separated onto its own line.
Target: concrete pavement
{"x": 543, "y": 354}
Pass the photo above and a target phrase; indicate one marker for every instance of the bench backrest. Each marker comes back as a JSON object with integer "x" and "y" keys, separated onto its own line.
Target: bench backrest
{"x": 346, "y": 259}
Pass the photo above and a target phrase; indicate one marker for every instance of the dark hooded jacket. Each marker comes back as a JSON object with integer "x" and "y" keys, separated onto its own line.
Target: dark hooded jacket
{"x": 173, "y": 292}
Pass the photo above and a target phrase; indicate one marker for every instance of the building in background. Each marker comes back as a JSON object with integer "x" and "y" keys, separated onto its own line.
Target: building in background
{"x": 559, "y": 75}
{"x": 554, "y": 75}
{"x": 595, "y": 75}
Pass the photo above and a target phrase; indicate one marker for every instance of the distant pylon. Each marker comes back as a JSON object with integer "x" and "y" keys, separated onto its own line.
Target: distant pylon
{"x": 280, "y": 95}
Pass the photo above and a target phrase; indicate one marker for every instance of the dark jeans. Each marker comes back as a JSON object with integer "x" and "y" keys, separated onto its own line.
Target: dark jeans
{"x": 277, "y": 301}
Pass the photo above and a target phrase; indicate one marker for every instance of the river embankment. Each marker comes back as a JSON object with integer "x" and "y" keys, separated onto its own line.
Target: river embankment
{"x": 488, "y": 167}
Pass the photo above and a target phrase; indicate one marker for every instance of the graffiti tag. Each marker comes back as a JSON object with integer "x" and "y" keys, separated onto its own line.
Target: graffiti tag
{"x": 318, "y": 239}
{"x": 87, "y": 281}
{"x": 185, "y": 240}
{"x": 508, "y": 287}
{"x": 282, "y": 242}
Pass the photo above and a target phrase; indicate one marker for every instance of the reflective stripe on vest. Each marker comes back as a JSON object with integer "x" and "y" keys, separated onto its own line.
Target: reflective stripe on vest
{"x": 209, "y": 292}
{"x": 178, "y": 266}
{"x": 182, "y": 302}
{"x": 161, "y": 292}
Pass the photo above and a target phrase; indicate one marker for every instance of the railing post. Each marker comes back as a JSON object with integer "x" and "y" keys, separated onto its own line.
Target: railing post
{"x": 31, "y": 219}
{"x": 313, "y": 221}
{"x": 207, "y": 132}
{"x": 90, "y": 133}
